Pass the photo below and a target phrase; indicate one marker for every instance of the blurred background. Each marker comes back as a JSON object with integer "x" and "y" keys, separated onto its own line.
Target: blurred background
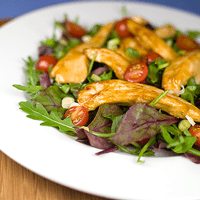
{"x": 14, "y": 8}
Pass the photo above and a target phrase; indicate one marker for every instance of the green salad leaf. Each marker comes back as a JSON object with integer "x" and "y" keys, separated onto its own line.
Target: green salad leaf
{"x": 49, "y": 119}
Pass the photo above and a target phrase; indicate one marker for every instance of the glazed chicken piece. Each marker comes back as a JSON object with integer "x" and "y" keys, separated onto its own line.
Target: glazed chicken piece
{"x": 181, "y": 70}
{"x": 73, "y": 67}
{"x": 131, "y": 42}
{"x": 140, "y": 20}
{"x": 125, "y": 93}
{"x": 109, "y": 57}
{"x": 151, "y": 41}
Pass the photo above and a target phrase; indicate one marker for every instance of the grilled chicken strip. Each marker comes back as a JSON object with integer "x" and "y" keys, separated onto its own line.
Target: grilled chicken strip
{"x": 131, "y": 42}
{"x": 125, "y": 93}
{"x": 151, "y": 40}
{"x": 181, "y": 70}
{"x": 73, "y": 67}
{"x": 114, "y": 60}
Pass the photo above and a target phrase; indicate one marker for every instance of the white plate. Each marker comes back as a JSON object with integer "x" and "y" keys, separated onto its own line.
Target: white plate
{"x": 58, "y": 157}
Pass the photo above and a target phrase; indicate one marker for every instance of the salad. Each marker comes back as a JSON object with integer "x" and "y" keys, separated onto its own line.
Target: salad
{"x": 126, "y": 85}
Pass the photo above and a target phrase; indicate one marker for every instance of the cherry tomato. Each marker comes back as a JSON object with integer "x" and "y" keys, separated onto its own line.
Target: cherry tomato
{"x": 150, "y": 57}
{"x": 121, "y": 28}
{"x": 45, "y": 61}
{"x": 78, "y": 114}
{"x": 186, "y": 43}
{"x": 195, "y": 132}
{"x": 75, "y": 30}
{"x": 136, "y": 73}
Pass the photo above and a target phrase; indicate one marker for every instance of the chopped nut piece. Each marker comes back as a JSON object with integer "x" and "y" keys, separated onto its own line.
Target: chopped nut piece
{"x": 167, "y": 31}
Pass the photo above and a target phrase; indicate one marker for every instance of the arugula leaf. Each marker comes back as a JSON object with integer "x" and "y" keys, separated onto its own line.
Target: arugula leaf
{"x": 29, "y": 89}
{"x": 33, "y": 75}
{"x": 106, "y": 76}
{"x": 75, "y": 87}
{"x": 193, "y": 34}
{"x": 94, "y": 29}
{"x": 185, "y": 145}
{"x": 180, "y": 142}
{"x": 40, "y": 113}
{"x": 191, "y": 91}
{"x": 155, "y": 71}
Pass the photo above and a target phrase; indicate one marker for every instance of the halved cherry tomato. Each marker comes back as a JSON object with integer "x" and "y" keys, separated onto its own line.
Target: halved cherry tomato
{"x": 45, "y": 61}
{"x": 75, "y": 30}
{"x": 78, "y": 114}
{"x": 121, "y": 28}
{"x": 150, "y": 57}
{"x": 186, "y": 43}
{"x": 136, "y": 73}
{"x": 195, "y": 132}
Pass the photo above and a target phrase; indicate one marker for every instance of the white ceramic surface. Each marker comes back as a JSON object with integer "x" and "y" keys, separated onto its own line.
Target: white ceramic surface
{"x": 58, "y": 157}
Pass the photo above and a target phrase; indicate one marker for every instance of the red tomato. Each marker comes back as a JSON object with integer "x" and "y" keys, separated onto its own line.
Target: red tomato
{"x": 78, "y": 114}
{"x": 75, "y": 30}
{"x": 45, "y": 61}
{"x": 121, "y": 28}
{"x": 186, "y": 43}
{"x": 136, "y": 73}
{"x": 150, "y": 57}
{"x": 195, "y": 132}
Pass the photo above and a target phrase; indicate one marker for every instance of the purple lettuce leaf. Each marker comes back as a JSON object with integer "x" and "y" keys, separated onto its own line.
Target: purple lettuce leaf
{"x": 45, "y": 50}
{"x": 100, "y": 70}
{"x": 100, "y": 124}
{"x": 108, "y": 150}
{"x": 140, "y": 121}
{"x": 45, "y": 80}
{"x": 50, "y": 98}
{"x": 193, "y": 158}
{"x": 98, "y": 142}
{"x": 86, "y": 137}
{"x": 159, "y": 145}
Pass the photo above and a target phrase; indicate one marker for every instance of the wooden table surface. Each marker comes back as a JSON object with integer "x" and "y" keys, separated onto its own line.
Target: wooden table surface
{"x": 18, "y": 183}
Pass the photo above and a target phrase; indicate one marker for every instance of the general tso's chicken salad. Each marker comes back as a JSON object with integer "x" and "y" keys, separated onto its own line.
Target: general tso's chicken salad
{"x": 125, "y": 85}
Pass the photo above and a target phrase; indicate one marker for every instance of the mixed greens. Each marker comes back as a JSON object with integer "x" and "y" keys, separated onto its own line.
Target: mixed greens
{"x": 111, "y": 127}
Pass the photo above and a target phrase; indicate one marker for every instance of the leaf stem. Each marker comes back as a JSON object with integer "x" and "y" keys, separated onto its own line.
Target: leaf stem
{"x": 92, "y": 62}
{"x": 149, "y": 143}
{"x": 194, "y": 152}
{"x": 102, "y": 135}
{"x": 157, "y": 99}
